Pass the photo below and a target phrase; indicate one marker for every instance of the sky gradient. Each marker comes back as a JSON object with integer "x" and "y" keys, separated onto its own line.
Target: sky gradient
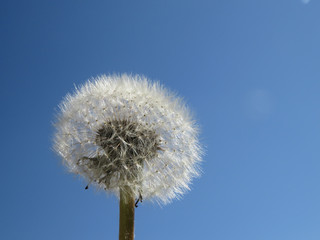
{"x": 250, "y": 72}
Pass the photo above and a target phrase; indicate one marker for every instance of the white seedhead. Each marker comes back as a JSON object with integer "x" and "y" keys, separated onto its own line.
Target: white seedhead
{"x": 125, "y": 132}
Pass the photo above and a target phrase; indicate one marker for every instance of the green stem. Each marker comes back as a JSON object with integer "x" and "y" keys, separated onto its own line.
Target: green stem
{"x": 126, "y": 223}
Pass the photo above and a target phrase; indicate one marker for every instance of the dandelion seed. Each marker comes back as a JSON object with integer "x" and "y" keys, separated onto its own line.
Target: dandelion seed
{"x": 121, "y": 132}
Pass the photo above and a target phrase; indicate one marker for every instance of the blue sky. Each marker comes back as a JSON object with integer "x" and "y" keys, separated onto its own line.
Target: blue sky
{"x": 248, "y": 69}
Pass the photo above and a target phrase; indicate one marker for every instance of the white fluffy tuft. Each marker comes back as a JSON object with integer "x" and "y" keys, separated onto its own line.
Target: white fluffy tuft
{"x": 123, "y": 130}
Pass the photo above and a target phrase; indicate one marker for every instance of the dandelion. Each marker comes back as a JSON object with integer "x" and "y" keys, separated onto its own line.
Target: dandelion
{"x": 130, "y": 137}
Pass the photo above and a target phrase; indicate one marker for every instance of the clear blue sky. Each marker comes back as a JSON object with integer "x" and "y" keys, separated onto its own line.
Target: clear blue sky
{"x": 249, "y": 70}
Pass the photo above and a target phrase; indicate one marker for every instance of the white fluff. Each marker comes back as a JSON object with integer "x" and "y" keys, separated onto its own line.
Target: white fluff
{"x": 163, "y": 176}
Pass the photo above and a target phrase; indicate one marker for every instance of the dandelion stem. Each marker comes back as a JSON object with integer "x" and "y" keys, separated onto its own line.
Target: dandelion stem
{"x": 126, "y": 223}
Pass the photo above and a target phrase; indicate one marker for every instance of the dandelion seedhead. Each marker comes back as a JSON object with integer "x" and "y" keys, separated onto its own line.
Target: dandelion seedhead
{"x": 124, "y": 132}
